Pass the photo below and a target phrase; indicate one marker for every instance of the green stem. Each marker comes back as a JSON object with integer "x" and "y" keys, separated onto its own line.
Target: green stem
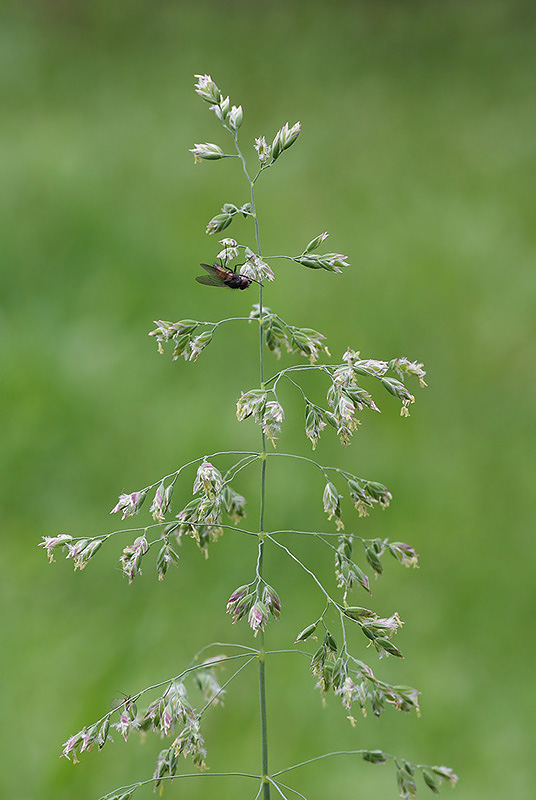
{"x": 264, "y": 732}
{"x": 262, "y": 654}
{"x": 262, "y": 650}
{"x": 133, "y": 786}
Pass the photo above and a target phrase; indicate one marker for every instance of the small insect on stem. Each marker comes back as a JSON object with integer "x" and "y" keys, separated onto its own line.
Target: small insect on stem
{"x": 126, "y": 702}
{"x": 220, "y": 276}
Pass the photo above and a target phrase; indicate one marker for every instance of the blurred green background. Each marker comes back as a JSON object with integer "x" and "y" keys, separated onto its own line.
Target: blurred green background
{"x": 417, "y": 154}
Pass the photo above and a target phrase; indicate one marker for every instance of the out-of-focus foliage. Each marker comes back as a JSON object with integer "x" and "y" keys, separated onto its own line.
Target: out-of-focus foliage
{"x": 417, "y": 152}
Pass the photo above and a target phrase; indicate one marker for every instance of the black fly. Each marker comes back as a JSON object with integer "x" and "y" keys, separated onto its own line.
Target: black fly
{"x": 220, "y": 276}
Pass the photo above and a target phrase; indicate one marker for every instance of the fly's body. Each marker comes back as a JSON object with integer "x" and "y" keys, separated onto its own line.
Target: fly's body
{"x": 220, "y": 276}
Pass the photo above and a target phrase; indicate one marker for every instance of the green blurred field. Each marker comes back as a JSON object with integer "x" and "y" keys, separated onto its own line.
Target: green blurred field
{"x": 417, "y": 154}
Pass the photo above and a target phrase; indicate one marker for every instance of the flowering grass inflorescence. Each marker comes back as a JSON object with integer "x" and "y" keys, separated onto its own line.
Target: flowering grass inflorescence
{"x": 217, "y": 506}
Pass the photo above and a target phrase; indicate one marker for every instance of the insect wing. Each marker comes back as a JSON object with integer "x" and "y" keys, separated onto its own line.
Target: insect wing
{"x": 210, "y": 280}
{"x": 120, "y": 702}
{"x": 214, "y": 277}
